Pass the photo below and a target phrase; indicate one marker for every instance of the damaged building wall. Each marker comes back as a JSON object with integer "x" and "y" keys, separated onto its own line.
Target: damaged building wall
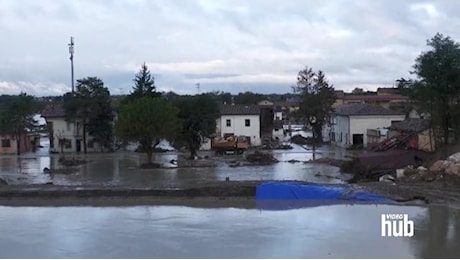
{"x": 426, "y": 141}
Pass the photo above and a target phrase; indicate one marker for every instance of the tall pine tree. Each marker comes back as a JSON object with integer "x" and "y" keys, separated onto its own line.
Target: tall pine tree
{"x": 144, "y": 85}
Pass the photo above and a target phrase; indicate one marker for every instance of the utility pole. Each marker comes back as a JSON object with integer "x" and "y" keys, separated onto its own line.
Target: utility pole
{"x": 71, "y": 51}
{"x": 198, "y": 87}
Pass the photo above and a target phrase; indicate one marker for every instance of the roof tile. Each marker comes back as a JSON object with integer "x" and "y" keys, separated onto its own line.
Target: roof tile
{"x": 239, "y": 110}
{"x": 363, "y": 109}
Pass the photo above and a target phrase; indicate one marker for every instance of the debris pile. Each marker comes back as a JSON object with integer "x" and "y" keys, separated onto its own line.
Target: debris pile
{"x": 261, "y": 158}
{"x": 71, "y": 162}
{"x": 300, "y": 140}
{"x": 449, "y": 166}
{"x": 273, "y": 145}
{"x": 448, "y": 169}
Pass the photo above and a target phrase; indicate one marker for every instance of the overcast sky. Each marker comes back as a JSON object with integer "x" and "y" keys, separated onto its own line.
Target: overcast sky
{"x": 231, "y": 46}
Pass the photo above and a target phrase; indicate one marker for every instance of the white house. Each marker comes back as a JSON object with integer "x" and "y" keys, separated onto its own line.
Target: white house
{"x": 351, "y": 121}
{"x": 240, "y": 120}
{"x": 278, "y": 132}
{"x": 66, "y": 136}
{"x": 278, "y": 113}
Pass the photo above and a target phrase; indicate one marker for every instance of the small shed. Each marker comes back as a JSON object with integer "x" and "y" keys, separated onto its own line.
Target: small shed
{"x": 420, "y": 133}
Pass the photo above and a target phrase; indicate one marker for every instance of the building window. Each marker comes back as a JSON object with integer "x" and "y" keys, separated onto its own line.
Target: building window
{"x": 67, "y": 143}
{"x": 247, "y": 122}
{"x": 91, "y": 143}
{"x": 6, "y": 143}
{"x": 229, "y": 123}
{"x": 68, "y": 126}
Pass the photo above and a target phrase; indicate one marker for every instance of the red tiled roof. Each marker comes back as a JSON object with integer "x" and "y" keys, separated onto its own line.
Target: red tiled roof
{"x": 240, "y": 110}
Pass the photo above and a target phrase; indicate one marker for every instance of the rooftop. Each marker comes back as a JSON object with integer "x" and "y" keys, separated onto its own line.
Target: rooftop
{"x": 239, "y": 110}
{"x": 411, "y": 125}
{"x": 55, "y": 109}
{"x": 363, "y": 109}
{"x": 374, "y": 98}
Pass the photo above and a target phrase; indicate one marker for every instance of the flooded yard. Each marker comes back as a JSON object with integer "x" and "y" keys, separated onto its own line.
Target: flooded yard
{"x": 123, "y": 168}
{"x": 340, "y": 231}
{"x": 334, "y": 231}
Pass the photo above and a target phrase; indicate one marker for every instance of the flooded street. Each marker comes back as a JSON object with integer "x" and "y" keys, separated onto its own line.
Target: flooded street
{"x": 334, "y": 231}
{"x": 122, "y": 168}
{"x": 340, "y": 231}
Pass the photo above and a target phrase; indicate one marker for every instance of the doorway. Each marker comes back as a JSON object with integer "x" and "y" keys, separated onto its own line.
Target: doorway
{"x": 78, "y": 146}
{"x": 358, "y": 139}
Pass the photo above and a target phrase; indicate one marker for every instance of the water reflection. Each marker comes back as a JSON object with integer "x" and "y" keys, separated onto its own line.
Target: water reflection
{"x": 438, "y": 233}
{"x": 341, "y": 231}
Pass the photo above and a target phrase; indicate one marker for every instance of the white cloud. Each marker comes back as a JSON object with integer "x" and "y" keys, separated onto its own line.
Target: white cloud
{"x": 216, "y": 42}
{"x": 32, "y": 88}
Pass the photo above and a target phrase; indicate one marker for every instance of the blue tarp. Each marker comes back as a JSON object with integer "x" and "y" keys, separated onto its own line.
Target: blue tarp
{"x": 294, "y": 195}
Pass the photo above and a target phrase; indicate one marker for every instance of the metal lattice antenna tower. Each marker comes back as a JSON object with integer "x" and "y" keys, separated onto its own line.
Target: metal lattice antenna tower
{"x": 198, "y": 87}
{"x": 71, "y": 51}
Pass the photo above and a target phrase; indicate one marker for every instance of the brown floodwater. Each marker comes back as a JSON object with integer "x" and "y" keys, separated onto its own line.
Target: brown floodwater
{"x": 340, "y": 231}
{"x": 122, "y": 168}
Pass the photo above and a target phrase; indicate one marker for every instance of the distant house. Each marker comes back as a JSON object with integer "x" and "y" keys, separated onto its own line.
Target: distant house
{"x": 419, "y": 134}
{"x": 240, "y": 120}
{"x": 278, "y": 113}
{"x": 266, "y": 115}
{"x": 290, "y": 105}
{"x": 266, "y": 103}
{"x": 385, "y": 97}
{"x": 278, "y": 131}
{"x": 9, "y": 143}
{"x": 387, "y": 91}
{"x": 349, "y": 123}
{"x": 66, "y": 136}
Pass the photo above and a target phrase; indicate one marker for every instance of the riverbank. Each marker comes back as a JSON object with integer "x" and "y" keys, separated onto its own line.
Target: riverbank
{"x": 239, "y": 194}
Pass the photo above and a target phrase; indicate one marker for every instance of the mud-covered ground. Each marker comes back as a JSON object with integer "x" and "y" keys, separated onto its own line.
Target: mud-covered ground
{"x": 210, "y": 194}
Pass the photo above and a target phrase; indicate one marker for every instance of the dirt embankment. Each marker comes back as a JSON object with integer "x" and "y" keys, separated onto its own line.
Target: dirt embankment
{"x": 214, "y": 194}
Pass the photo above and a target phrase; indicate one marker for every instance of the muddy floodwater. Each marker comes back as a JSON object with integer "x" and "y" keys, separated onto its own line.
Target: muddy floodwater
{"x": 122, "y": 168}
{"x": 334, "y": 231}
{"x": 342, "y": 231}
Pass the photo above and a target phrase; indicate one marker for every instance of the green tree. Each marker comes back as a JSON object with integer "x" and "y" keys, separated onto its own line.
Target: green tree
{"x": 91, "y": 109}
{"x": 317, "y": 99}
{"x": 248, "y": 98}
{"x": 147, "y": 121}
{"x": 16, "y": 115}
{"x": 357, "y": 91}
{"x": 198, "y": 116}
{"x": 437, "y": 86}
{"x": 144, "y": 85}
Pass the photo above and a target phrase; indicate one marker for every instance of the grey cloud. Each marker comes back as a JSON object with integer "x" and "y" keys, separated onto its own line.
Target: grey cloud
{"x": 210, "y": 75}
{"x": 367, "y": 43}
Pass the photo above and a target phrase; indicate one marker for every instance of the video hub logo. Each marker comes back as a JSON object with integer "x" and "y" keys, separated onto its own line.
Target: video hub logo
{"x": 397, "y": 225}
